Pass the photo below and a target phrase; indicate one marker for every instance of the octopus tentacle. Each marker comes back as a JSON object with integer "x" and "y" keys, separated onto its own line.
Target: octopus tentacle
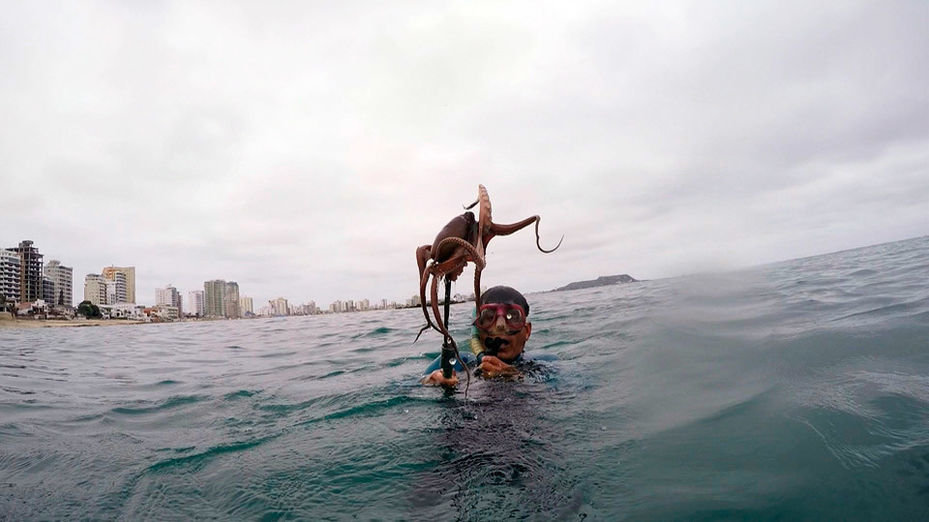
{"x": 427, "y": 326}
{"x": 474, "y": 257}
{"x": 435, "y": 306}
{"x": 498, "y": 229}
{"x": 421, "y": 330}
{"x": 422, "y": 257}
{"x": 485, "y": 216}
{"x": 423, "y": 254}
{"x": 538, "y": 245}
{"x": 477, "y": 289}
{"x": 434, "y": 293}
{"x": 438, "y": 270}
{"x": 424, "y": 281}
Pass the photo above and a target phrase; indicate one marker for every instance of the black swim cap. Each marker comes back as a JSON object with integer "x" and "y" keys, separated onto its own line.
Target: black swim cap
{"x": 505, "y": 294}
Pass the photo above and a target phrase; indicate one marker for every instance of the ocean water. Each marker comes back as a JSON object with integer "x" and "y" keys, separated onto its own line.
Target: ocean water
{"x": 793, "y": 391}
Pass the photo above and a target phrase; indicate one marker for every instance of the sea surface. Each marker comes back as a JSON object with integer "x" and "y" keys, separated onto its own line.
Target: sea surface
{"x": 792, "y": 391}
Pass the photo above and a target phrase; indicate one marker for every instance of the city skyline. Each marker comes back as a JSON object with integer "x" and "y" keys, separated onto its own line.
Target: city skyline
{"x": 25, "y": 278}
{"x": 116, "y": 285}
{"x": 132, "y": 296}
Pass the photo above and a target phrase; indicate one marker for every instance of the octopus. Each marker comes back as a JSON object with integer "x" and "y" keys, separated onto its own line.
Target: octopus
{"x": 463, "y": 240}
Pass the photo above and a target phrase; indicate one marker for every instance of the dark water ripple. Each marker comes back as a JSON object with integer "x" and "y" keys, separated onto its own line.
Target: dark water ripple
{"x": 798, "y": 390}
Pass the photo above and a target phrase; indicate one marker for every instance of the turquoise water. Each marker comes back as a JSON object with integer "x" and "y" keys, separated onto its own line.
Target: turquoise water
{"x": 792, "y": 391}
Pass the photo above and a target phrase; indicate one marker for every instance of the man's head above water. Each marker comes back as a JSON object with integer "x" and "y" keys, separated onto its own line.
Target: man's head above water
{"x": 504, "y": 295}
{"x": 502, "y": 322}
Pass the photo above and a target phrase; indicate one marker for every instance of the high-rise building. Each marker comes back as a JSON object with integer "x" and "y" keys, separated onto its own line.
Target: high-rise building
{"x": 162, "y": 296}
{"x": 168, "y": 296}
{"x": 30, "y": 271}
{"x": 246, "y": 306}
{"x": 231, "y": 300}
{"x": 305, "y": 309}
{"x": 214, "y": 294}
{"x": 9, "y": 275}
{"x": 95, "y": 289}
{"x": 195, "y": 303}
{"x": 48, "y": 291}
{"x": 129, "y": 273}
{"x": 117, "y": 289}
{"x": 61, "y": 276}
{"x": 279, "y": 306}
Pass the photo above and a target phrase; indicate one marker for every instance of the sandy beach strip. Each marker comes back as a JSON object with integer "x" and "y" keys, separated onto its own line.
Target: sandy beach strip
{"x": 57, "y": 323}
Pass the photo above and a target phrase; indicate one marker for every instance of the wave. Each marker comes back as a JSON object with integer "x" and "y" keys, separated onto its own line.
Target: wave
{"x": 167, "y": 404}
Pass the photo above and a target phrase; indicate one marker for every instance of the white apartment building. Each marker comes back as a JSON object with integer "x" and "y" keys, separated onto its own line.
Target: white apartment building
{"x": 195, "y": 304}
{"x": 61, "y": 277}
{"x": 246, "y": 305}
{"x": 168, "y": 296}
{"x": 9, "y": 274}
{"x": 128, "y": 280}
{"x": 279, "y": 306}
{"x": 116, "y": 288}
{"x": 95, "y": 289}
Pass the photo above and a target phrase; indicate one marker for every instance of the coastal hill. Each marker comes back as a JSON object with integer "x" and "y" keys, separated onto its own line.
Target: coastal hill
{"x": 600, "y": 281}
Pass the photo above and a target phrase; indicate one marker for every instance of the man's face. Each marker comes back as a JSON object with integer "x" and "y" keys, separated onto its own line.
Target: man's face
{"x": 503, "y": 341}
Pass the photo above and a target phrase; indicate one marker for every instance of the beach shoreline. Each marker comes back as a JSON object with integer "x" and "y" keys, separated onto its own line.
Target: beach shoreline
{"x": 66, "y": 323}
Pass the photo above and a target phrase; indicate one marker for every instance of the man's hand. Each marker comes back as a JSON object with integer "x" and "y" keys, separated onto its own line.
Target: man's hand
{"x": 494, "y": 367}
{"x": 437, "y": 379}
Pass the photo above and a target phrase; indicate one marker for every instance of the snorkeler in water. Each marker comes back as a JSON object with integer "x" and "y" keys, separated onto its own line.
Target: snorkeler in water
{"x": 503, "y": 327}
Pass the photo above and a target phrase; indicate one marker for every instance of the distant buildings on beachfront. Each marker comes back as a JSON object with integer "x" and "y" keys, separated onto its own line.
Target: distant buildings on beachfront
{"x": 195, "y": 303}
{"x": 246, "y": 306}
{"x": 221, "y": 299}
{"x": 61, "y": 278}
{"x": 27, "y": 284}
{"x": 113, "y": 285}
{"x": 169, "y": 299}
{"x": 25, "y": 279}
{"x": 278, "y": 307}
{"x": 126, "y": 274}
{"x": 168, "y": 296}
{"x": 9, "y": 275}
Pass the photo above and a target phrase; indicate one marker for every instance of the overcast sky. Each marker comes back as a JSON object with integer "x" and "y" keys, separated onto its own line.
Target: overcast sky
{"x": 305, "y": 149}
